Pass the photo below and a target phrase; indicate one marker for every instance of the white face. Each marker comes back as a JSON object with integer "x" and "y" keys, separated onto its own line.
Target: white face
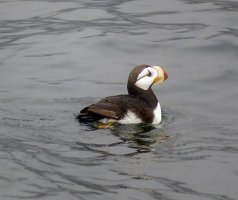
{"x": 149, "y": 76}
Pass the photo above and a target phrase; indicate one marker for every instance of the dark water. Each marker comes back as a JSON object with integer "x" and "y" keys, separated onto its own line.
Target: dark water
{"x": 58, "y": 56}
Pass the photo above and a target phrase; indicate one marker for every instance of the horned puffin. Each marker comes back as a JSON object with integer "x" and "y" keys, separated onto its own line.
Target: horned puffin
{"x": 140, "y": 105}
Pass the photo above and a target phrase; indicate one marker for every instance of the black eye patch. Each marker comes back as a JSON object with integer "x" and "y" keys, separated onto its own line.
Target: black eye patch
{"x": 147, "y": 74}
{"x": 150, "y": 74}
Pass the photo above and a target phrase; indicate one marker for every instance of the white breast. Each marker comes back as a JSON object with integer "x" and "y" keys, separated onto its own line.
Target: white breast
{"x": 157, "y": 114}
{"x": 130, "y": 118}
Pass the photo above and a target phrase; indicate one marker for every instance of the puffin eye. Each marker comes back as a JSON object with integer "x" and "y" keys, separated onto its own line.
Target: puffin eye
{"x": 149, "y": 74}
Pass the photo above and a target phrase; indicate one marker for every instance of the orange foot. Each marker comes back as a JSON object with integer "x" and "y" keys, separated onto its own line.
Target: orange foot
{"x": 109, "y": 124}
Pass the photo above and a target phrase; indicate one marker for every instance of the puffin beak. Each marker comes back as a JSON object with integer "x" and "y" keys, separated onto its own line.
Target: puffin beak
{"x": 162, "y": 75}
{"x": 165, "y": 75}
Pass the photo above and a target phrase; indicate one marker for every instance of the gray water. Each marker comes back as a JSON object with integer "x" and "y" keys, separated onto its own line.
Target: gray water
{"x": 58, "y": 56}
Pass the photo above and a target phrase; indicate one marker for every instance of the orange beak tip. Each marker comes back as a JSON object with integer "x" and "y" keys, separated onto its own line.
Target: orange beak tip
{"x": 165, "y": 75}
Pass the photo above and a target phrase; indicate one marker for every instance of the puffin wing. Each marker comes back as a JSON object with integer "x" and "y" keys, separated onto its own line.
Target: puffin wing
{"x": 109, "y": 107}
{"x": 104, "y": 109}
{"x": 115, "y": 107}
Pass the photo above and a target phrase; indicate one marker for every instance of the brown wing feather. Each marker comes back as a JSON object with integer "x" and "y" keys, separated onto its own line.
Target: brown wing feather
{"x": 115, "y": 107}
{"x": 102, "y": 110}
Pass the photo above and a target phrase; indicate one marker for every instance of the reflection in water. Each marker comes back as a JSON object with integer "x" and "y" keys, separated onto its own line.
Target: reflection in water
{"x": 139, "y": 136}
{"x": 145, "y": 140}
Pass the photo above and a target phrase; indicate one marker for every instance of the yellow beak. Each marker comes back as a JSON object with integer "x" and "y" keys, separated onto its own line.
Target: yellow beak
{"x": 162, "y": 75}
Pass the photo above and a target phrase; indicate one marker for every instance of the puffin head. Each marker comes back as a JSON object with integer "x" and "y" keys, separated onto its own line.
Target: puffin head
{"x": 144, "y": 76}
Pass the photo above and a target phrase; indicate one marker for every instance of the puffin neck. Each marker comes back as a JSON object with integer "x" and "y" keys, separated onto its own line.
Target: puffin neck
{"x": 146, "y": 95}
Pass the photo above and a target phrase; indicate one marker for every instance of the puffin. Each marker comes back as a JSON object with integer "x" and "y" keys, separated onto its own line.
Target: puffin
{"x": 140, "y": 105}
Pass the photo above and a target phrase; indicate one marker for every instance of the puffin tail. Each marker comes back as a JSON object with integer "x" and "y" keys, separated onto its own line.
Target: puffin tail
{"x": 86, "y": 116}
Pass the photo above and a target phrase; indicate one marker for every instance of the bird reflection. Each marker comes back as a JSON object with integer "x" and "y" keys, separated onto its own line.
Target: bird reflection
{"x": 141, "y": 137}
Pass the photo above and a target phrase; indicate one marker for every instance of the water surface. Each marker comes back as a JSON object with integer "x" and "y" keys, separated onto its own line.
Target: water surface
{"x": 58, "y": 56}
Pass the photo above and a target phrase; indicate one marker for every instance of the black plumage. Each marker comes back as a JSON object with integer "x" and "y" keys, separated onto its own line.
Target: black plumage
{"x": 115, "y": 107}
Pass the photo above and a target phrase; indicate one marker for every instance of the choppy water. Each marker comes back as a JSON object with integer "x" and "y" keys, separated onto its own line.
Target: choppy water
{"x": 58, "y": 56}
